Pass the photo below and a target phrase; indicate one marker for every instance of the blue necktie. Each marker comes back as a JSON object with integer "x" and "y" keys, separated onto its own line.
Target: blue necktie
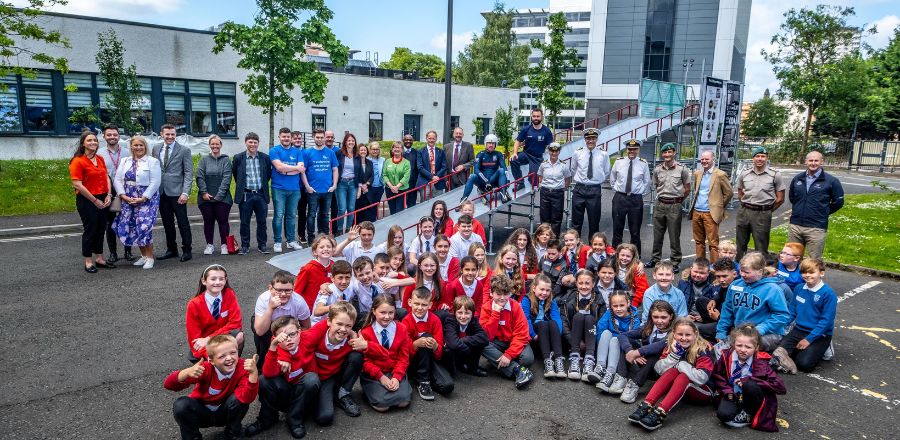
{"x": 215, "y": 310}
{"x": 384, "y": 339}
{"x": 427, "y": 246}
{"x": 736, "y": 373}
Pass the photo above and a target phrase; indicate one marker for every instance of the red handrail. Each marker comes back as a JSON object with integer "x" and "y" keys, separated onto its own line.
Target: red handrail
{"x": 692, "y": 110}
{"x": 620, "y": 113}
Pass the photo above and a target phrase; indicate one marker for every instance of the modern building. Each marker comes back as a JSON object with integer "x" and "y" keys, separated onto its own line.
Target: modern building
{"x": 621, "y": 42}
{"x": 185, "y": 84}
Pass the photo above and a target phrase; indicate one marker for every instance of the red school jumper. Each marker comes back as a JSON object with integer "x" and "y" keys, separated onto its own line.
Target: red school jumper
{"x": 379, "y": 361}
{"x": 507, "y": 326}
{"x": 310, "y": 279}
{"x": 209, "y": 390}
{"x": 201, "y": 324}
{"x": 455, "y": 288}
{"x": 432, "y": 325}
{"x": 317, "y": 358}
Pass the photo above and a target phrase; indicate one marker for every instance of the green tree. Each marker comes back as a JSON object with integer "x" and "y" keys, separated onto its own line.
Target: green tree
{"x": 505, "y": 126}
{"x": 765, "y": 119}
{"x": 18, "y": 26}
{"x": 428, "y": 65}
{"x": 494, "y": 59}
{"x": 124, "y": 89}
{"x": 886, "y": 76}
{"x": 851, "y": 97}
{"x": 547, "y": 78}
{"x": 272, "y": 49}
{"x": 479, "y": 128}
{"x": 810, "y": 42}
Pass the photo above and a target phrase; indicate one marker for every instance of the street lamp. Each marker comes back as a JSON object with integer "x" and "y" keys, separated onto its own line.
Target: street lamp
{"x": 686, "y": 64}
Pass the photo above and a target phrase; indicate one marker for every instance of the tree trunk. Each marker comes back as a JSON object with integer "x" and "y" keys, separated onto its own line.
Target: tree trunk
{"x": 806, "y": 128}
{"x": 271, "y": 108}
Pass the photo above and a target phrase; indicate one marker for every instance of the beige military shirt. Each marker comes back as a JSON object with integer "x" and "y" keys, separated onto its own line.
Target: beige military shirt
{"x": 671, "y": 182}
{"x": 760, "y": 188}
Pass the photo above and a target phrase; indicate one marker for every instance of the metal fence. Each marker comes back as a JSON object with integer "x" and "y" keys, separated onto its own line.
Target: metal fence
{"x": 872, "y": 155}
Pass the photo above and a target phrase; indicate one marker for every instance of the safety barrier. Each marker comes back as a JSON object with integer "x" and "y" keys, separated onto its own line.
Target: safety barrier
{"x": 656, "y": 126}
{"x": 609, "y": 118}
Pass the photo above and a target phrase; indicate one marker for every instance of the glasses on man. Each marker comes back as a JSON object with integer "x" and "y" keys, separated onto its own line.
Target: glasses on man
{"x": 284, "y": 291}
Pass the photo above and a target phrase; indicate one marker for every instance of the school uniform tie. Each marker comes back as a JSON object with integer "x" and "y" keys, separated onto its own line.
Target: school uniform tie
{"x": 384, "y": 339}
{"x": 590, "y": 171}
{"x": 427, "y": 246}
{"x": 573, "y": 263}
{"x": 628, "y": 179}
{"x": 215, "y": 310}
{"x": 737, "y": 373}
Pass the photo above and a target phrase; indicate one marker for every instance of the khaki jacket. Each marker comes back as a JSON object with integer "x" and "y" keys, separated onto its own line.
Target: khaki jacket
{"x": 720, "y": 193}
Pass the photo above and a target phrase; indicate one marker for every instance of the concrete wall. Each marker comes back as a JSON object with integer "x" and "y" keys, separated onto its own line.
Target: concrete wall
{"x": 187, "y": 54}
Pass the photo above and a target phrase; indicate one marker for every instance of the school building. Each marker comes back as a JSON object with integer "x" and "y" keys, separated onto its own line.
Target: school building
{"x": 184, "y": 83}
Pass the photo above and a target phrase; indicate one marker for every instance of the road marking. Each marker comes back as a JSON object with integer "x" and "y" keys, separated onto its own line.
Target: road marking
{"x": 858, "y": 290}
{"x": 868, "y": 393}
{"x": 38, "y": 237}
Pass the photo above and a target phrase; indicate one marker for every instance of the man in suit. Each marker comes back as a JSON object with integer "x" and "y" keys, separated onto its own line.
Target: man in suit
{"x": 432, "y": 166}
{"x": 177, "y": 177}
{"x": 712, "y": 191}
{"x": 459, "y": 155}
{"x": 412, "y": 155}
{"x": 252, "y": 171}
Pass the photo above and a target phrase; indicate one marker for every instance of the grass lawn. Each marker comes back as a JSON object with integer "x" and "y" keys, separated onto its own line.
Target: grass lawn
{"x": 865, "y": 232}
{"x": 44, "y": 187}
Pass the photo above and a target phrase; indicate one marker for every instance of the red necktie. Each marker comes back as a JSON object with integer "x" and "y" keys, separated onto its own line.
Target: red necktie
{"x": 431, "y": 155}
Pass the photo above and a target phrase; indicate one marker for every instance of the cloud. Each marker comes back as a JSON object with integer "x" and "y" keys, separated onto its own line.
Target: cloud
{"x": 885, "y": 26}
{"x": 460, "y": 41}
{"x": 129, "y": 9}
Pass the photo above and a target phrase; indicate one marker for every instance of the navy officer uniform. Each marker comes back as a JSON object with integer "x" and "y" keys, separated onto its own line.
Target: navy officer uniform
{"x": 630, "y": 178}
{"x": 589, "y": 168}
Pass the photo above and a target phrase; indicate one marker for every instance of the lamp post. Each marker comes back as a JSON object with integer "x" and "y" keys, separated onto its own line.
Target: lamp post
{"x": 448, "y": 66}
{"x": 686, "y": 64}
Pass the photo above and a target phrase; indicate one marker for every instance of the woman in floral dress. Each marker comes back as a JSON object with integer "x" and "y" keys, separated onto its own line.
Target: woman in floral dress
{"x": 137, "y": 183}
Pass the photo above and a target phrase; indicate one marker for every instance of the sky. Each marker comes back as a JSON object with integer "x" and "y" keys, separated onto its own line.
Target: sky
{"x": 376, "y": 27}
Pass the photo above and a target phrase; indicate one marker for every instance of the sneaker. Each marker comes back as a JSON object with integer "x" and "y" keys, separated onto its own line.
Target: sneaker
{"x": 829, "y": 352}
{"x": 209, "y": 249}
{"x": 588, "y": 370}
{"x": 549, "y": 372}
{"x": 504, "y": 197}
{"x": 243, "y": 251}
{"x": 607, "y": 381}
{"x": 523, "y": 378}
{"x": 148, "y": 264}
{"x": 783, "y": 362}
{"x": 597, "y": 375}
{"x": 653, "y": 420}
{"x": 560, "y": 367}
{"x": 277, "y": 247}
{"x": 739, "y": 421}
{"x": 618, "y": 385}
{"x": 350, "y": 407}
{"x": 303, "y": 241}
{"x": 294, "y": 245}
{"x": 139, "y": 261}
{"x": 642, "y": 410}
{"x": 629, "y": 394}
{"x": 575, "y": 367}
{"x": 425, "y": 391}
{"x": 223, "y": 250}
{"x": 263, "y": 249}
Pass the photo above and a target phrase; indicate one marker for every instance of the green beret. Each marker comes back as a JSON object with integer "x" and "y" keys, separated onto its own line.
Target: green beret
{"x": 667, "y": 146}
{"x": 760, "y": 150}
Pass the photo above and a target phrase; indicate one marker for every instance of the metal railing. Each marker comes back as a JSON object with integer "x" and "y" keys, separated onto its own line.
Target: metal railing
{"x": 655, "y": 127}
{"x": 567, "y": 134}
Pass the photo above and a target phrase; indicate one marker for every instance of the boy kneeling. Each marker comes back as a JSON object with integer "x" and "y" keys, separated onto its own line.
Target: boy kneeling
{"x": 504, "y": 322}
{"x": 223, "y": 390}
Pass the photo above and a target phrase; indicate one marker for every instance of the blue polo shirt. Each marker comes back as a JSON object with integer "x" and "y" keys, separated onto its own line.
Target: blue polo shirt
{"x": 288, "y": 156}
{"x": 536, "y": 141}
{"x": 319, "y": 164}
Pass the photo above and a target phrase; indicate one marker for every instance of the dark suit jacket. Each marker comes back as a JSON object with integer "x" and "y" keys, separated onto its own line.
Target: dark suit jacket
{"x": 466, "y": 158}
{"x": 440, "y": 167}
{"x": 239, "y": 173}
{"x": 413, "y": 158}
{"x": 359, "y": 176}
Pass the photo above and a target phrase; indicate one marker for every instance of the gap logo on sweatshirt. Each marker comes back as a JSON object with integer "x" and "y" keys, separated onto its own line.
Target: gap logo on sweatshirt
{"x": 745, "y": 299}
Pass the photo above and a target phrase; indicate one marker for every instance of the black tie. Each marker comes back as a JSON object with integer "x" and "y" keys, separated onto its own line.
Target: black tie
{"x": 590, "y": 164}
{"x": 166, "y": 157}
{"x": 628, "y": 181}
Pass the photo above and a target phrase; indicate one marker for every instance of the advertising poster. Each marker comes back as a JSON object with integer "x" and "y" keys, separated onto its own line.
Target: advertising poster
{"x": 731, "y": 126}
{"x": 711, "y": 113}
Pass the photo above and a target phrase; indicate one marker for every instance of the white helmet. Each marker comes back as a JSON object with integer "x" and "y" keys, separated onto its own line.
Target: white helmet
{"x": 491, "y": 138}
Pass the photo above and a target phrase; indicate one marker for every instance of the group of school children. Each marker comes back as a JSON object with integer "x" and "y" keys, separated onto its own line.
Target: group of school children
{"x": 400, "y": 315}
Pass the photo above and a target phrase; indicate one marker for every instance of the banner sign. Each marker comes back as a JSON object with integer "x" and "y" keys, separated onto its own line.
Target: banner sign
{"x": 731, "y": 127}
{"x": 711, "y": 113}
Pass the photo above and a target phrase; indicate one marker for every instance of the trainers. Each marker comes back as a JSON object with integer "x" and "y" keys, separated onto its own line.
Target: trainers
{"x": 783, "y": 362}
{"x": 294, "y": 245}
{"x": 523, "y": 377}
{"x": 549, "y": 372}
{"x": 739, "y": 421}
{"x": 504, "y": 197}
{"x": 629, "y": 394}
{"x": 588, "y": 368}
{"x": 223, "y": 250}
{"x": 243, "y": 251}
{"x": 425, "y": 391}
{"x": 209, "y": 249}
{"x": 148, "y": 264}
{"x": 139, "y": 261}
{"x": 618, "y": 385}
{"x": 276, "y": 247}
{"x": 597, "y": 375}
{"x": 653, "y": 420}
{"x": 263, "y": 249}
{"x": 607, "y": 381}
{"x": 642, "y": 410}
{"x": 560, "y": 366}
{"x": 829, "y": 352}
{"x": 575, "y": 367}
{"x": 350, "y": 407}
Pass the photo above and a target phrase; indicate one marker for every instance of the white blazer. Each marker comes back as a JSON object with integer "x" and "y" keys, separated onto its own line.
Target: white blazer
{"x": 149, "y": 174}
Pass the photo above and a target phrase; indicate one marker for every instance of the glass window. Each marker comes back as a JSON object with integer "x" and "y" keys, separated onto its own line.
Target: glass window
{"x": 199, "y": 87}
{"x": 145, "y": 84}
{"x": 173, "y": 85}
{"x": 39, "y": 110}
{"x": 224, "y": 89}
{"x": 42, "y": 79}
{"x": 454, "y": 122}
{"x": 201, "y": 109}
{"x": 376, "y": 126}
{"x": 319, "y": 119}
{"x": 81, "y": 80}
{"x": 10, "y": 117}
{"x": 174, "y": 107}
{"x": 226, "y": 122}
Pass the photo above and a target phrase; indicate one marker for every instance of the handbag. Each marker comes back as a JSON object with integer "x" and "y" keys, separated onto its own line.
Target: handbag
{"x": 231, "y": 244}
{"x": 116, "y": 204}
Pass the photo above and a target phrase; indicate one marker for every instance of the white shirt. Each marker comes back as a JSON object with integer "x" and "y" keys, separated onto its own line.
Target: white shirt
{"x": 640, "y": 175}
{"x": 444, "y": 268}
{"x": 364, "y": 293}
{"x": 578, "y": 166}
{"x": 113, "y": 159}
{"x": 327, "y": 300}
{"x": 333, "y": 347}
{"x": 417, "y": 246}
{"x": 541, "y": 251}
{"x": 469, "y": 290}
{"x": 210, "y": 300}
{"x": 422, "y": 319}
{"x": 553, "y": 175}
{"x": 148, "y": 173}
{"x": 459, "y": 246}
{"x": 391, "y": 332}
{"x": 355, "y": 250}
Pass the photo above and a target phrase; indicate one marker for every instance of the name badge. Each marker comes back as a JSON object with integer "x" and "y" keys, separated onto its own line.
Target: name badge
{"x": 213, "y": 391}
{"x": 224, "y": 313}
{"x": 800, "y": 299}
{"x": 783, "y": 273}
{"x": 502, "y": 322}
{"x": 420, "y": 334}
{"x": 295, "y": 373}
{"x": 737, "y": 288}
{"x": 322, "y": 356}
{"x": 584, "y": 312}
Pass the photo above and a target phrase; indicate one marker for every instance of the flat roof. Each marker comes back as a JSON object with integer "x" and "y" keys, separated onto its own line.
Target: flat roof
{"x": 128, "y": 22}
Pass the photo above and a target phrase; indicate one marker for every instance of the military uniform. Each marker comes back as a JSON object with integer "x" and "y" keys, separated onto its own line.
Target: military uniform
{"x": 553, "y": 190}
{"x": 754, "y": 216}
{"x": 672, "y": 186}
{"x": 629, "y": 178}
{"x": 589, "y": 168}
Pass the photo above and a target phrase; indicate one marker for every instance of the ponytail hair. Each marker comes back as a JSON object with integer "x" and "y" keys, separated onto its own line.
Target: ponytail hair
{"x": 377, "y": 302}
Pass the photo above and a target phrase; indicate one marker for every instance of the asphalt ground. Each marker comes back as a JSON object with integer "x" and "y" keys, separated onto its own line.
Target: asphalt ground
{"x": 85, "y": 356}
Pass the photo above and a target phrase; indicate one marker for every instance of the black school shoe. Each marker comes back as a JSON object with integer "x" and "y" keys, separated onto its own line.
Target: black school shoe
{"x": 425, "y": 391}
{"x": 229, "y": 435}
{"x": 255, "y": 428}
{"x": 653, "y": 420}
{"x": 523, "y": 378}
{"x": 298, "y": 431}
{"x": 350, "y": 407}
{"x": 642, "y": 410}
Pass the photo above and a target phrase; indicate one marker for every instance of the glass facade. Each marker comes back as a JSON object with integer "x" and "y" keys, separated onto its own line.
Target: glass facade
{"x": 658, "y": 39}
